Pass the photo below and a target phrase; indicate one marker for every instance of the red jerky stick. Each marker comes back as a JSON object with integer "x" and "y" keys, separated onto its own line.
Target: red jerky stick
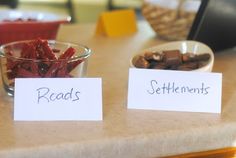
{"x": 25, "y": 65}
{"x": 55, "y": 50}
{"x": 52, "y": 70}
{"x": 47, "y": 50}
{"x": 62, "y": 60}
{"x": 34, "y": 67}
{"x": 24, "y": 73}
{"x": 11, "y": 64}
{"x": 68, "y": 53}
{"x": 62, "y": 72}
{"x": 33, "y": 53}
{"x": 73, "y": 64}
{"x": 27, "y": 49}
{"x": 11, "y": 75}
{"x": 55, "y": 67}
{"x": 41, "y": 54}
{"x": 24, "y": 51}
{"x": 39, "y": 49}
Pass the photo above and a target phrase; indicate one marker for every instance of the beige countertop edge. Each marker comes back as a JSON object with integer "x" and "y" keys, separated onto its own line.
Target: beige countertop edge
{"x": 145, "y": 145}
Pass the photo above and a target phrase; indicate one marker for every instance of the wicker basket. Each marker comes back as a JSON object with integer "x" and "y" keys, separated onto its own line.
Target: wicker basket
{"x": 172, "y": 23}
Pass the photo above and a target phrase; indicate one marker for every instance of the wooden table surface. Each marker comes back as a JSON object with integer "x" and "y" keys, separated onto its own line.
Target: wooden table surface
{"x": 122, "y": 133}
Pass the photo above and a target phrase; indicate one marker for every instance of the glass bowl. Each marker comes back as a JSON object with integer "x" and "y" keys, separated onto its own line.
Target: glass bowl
{"x": 41, "y": 59}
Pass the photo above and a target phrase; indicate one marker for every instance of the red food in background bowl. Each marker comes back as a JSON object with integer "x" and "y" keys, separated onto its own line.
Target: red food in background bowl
{"x": 18, "y": 25}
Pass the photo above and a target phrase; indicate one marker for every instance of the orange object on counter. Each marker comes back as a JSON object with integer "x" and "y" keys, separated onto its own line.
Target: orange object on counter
{"x": 117, "y": 23}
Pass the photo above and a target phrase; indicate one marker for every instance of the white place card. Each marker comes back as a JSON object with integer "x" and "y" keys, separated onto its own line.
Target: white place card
{"x": 54, "y": 99}
{"x": 174, "y": 90}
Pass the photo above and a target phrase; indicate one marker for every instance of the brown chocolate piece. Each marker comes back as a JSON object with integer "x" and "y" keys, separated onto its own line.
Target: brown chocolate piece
{"x": 153, "y": 56}
{"x": 172, "y": 57}
{"x": 187, "y": 57}
{"x": 148, "y": 55}
{"x": 188, "y": 66}
{"x": 173, "y": 67}
{"x": 141, "y": 62}
{"x": 203, "y": 57}
{"x": 160, "y": 65}
{"x": 190, "y": 57}
{"x": 157, "y": 56}
{"x": 152, "y": 63}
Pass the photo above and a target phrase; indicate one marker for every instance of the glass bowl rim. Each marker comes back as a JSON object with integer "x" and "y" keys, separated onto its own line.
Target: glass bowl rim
{"x": 85, "y": 54}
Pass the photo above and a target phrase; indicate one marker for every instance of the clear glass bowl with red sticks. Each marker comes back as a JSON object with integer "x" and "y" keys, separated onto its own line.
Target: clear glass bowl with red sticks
{"x": 41, "y": 59}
